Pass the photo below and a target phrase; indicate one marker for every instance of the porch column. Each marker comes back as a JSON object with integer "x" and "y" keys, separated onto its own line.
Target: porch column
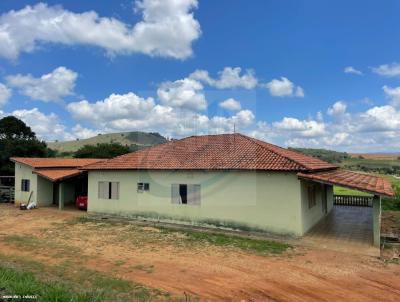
{"x": 376, "y": 219}
{"x": 61, "y": 196}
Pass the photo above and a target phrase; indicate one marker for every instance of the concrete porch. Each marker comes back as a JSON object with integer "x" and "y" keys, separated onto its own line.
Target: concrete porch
{"x": 345, "y": 228}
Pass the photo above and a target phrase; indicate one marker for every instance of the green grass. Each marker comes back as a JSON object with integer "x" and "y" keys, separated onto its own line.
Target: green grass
{"x": 345, "y": 191}
{"x": 199, "y": 238}
{"x": 70, "y": 282}
{"x": 184, "y": 237}
{"x": 14, "y": 282}
{"x": 31, "y": 242}
{"x": 246, "y": 244}
{"x": 382, "y": 166}
{"x": 390, "y": 204}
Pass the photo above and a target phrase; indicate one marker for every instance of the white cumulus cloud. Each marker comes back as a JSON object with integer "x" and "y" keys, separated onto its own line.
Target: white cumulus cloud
{"x": 46, "y": 126}
{"x": 283, "y": 87}
{"x": 5, "y": 94}
{"x": 304, "y": 128}
{"x": 388, "y": 70}
{"x": 114, "y": 107}
{"x": 379, "y": 118}
{"x": 229, "y": 77}
{"x": 230, "y": 104}
{"x": 393, "y": 94}
{"x": 49, "y": 87}
{"x": 186, "y": 94}
{"x": 167, "y": 29}
{"x": 352, "y": 70}
{"x": 338, "y": 109}
{"x": 131, "y": 112}
{"x": 82, "y": 132}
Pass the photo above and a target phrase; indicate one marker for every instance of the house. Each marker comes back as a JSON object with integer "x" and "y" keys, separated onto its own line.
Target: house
{"x": 49, "y": 181}
{"x": 227, "y": 180}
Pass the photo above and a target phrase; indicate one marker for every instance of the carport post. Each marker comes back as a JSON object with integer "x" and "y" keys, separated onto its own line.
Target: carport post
{"x": 376, "y": 219}
{"x": 61, "y": 196}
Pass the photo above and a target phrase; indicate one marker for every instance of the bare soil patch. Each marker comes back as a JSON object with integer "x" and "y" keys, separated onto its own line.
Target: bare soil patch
{"x": 169, "y": 261}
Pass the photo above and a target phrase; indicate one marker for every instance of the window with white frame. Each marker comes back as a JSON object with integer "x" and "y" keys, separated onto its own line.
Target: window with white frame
{"x": 186, "y": 194}
{"x": 143, "y": 186}
{"x": 108, "y": 190}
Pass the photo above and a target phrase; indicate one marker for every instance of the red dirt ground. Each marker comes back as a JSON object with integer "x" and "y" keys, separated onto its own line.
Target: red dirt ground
{"x": 209, "y": 272}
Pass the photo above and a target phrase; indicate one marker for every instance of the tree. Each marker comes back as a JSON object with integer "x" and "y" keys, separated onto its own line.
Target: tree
{"x": 103, "y": 150}
{"x": 13, "y": 128}
{"x": 17, "y": 139}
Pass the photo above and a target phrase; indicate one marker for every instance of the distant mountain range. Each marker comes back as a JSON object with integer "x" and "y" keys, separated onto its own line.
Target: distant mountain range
{"x": 134, "y": 140}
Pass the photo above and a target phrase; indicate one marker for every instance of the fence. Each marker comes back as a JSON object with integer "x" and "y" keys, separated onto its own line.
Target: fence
{"x": 7, "y": 194}
{"x": 356, "y": 201}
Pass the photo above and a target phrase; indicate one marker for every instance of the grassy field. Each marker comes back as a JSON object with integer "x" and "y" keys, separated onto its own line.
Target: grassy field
{"x": 124, "y": 138}
{"x": 193, "y": 238}
{"x": 345, "y": 191}
{"x": 21, "y": 277}
{"x": 379, "y": 156}
{"x": 370, "y": 163}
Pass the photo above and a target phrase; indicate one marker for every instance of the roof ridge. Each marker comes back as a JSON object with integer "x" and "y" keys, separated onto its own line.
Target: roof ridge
{"x": 261, "y": 144}
{"x": 209, "y": 152}
{"x": 106, "y": 160}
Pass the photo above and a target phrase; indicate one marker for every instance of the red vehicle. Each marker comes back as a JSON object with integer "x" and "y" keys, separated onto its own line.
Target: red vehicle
{"x": 81, "y": 202}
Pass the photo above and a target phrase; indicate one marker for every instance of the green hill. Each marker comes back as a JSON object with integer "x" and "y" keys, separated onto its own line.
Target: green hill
{"x": 324, "y": 154}
{"x": 134, "y": 140}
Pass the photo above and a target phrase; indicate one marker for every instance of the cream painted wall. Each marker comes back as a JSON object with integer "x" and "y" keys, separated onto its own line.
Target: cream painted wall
{"x": 265, "y": 200}
{"x": 311, "y": 216}
{"x": 24, "y": 172}
{"x": 42, "y": 189}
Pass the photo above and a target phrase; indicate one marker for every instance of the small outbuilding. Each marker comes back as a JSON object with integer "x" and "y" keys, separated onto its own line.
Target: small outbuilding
{"x": 50, "y": 181}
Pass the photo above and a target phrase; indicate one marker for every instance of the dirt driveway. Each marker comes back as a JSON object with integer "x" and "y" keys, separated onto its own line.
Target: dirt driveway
{"x": 212, "y": 273}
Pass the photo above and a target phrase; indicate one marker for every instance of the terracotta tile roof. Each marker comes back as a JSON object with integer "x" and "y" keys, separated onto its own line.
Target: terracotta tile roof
{"x": 359, "y": 181}
{"x": 55, "y": 162}
{"x": 214, "y": 152}
{"x": 57, "y": 174}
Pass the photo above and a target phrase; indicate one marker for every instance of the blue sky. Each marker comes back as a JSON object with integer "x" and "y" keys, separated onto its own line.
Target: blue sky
{"x": 320, "y": 74}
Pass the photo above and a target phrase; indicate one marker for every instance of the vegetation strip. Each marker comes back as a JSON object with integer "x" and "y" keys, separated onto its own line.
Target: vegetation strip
{"x": 247, "y": 244}
{"x": 17, "y": 286}
{"x": 259, "y": 246}
{"x": 64, "y": 283}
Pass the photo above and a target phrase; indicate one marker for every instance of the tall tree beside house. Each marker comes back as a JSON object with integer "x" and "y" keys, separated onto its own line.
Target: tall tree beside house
{"x": 18, "y": 139}
{"x": 104, "y": 150}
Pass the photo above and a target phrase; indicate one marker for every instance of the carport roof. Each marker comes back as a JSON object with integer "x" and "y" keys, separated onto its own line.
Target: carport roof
{"x": 353, "y": 180}
{"x": 57, "y": 174}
